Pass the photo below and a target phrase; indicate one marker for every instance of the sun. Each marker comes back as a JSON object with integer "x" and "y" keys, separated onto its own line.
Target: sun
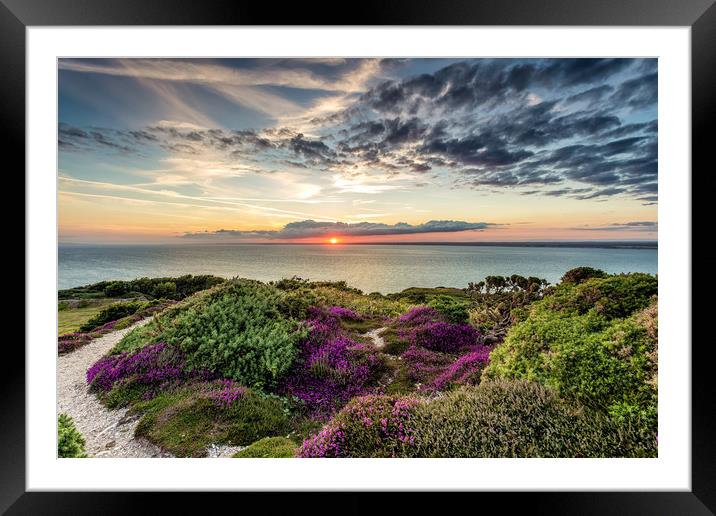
{"x": 333, "y": 240}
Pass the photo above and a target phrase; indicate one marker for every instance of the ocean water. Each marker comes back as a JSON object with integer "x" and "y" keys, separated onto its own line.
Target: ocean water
{"x": 371, "y": 268}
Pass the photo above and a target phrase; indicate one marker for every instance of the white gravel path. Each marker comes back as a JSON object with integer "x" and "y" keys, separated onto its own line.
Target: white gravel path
{"x": 108, "y": 433}
{"x": 378, "y": 341}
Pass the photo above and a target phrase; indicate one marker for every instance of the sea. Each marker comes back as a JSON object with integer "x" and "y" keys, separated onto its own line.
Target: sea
{"x": 371, "y": 268}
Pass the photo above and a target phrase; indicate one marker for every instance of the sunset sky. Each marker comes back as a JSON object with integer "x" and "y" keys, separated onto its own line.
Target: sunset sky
{"x": 305, "y": 150}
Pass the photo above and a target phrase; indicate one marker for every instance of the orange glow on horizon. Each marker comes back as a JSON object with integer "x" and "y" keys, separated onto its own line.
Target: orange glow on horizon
{"x": 333, "y": 240}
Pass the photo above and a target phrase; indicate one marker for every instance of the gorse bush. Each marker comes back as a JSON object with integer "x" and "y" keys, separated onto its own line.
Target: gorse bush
{"x": 239, "y": 333}
{"x": 589, "y": 343}
{"x": 235, "y": 330}
{"x": 614, "y": 296}
{"x": 454, "y": 310}
{"x": 70, "y": 443}
{"x": 299, "y": 300}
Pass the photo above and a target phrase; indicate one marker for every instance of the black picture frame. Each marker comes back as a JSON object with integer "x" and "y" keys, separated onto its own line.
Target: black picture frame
{"x": 699, "y": 15}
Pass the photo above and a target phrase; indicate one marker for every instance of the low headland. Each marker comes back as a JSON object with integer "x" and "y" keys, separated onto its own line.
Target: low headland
{"x": 505, "y": 367}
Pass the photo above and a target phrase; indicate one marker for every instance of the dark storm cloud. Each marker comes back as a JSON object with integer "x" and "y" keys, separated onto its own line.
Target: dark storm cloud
{"x": 469, "y": 84}
{"x": 591, "y": 95}
{"x": 312, "y": 228}
{"x": 637, "y": 93}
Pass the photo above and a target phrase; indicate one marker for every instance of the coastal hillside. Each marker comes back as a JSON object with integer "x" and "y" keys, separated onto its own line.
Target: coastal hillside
{"x": 505, "y": 367}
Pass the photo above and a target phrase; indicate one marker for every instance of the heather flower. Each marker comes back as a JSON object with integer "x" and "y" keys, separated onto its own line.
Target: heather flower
{"x": 370, "y": 425}
{"x": 331, "y": 368}
{"x": 226, "y": 392}
{"x": 153, "y": 365}
{"x": 419, "y": 315}
{"x": 71, "y": 341}
{"x": 444, "y": 336}
{"x": 343, "y": 313}
{"x": 329, "y": 442}
{"x": 466, "y": 370}
{"x": 423, "y": 365}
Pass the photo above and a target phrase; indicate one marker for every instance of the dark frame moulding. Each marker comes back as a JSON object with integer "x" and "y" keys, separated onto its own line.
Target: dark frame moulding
{"x": 700, "y": 15}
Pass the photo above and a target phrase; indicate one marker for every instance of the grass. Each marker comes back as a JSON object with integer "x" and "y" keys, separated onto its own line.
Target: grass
{"x": 185, "y": 422}
{"x": 401, "y": 382}
{"x": 363, "y": 325}
{"x": 269, "y": 447}
{"x": 70, "y": 319}
{"x": 394, "y": 345}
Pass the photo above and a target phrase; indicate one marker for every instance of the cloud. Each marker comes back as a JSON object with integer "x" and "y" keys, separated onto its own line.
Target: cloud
{"x": 480, "y": 124}
{"x": 312, "y": 228}
{"x": 647, "y": 226}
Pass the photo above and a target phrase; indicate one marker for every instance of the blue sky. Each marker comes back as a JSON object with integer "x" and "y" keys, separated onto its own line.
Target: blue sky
{"x": 186, "y": 150}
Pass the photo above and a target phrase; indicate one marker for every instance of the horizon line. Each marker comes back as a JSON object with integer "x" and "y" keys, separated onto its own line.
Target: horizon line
{"x": 644, "y": 244}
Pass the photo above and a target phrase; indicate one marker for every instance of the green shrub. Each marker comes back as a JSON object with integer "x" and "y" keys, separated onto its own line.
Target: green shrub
{"x": 113, "y": 312}
{"x": 455, "y": 311}
{"x": 587, "y": 342}
{"x": 185, "y": 286}
{"x": 166, "y": 289}
{"x": 235, "y": 330}
{"x": 520, "y": 419}
{"x": 116, "y": 288}
{"x": 70, "y": 443}
{"x": 582, "y": 274}
{"x": 269, "y": 447}
{"x": 187, "y": 421}
{"x": 421, "y": 295}
{"x": 298, "y": 300}
{"x": 614, "y": 296}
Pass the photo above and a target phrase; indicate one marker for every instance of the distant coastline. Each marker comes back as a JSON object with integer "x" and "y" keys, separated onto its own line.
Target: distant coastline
{"x": 596, "y": 244}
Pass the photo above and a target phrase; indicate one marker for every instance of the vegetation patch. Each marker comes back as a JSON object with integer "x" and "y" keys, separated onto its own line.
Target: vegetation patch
{"x": 519, "y": 419}
{"x": 71, "y": 315}
{"x": 186, "y": 421}
{"x": 71, "y": 341}
{"x": 592, "y": 342}
{"x": 269, "y": 447}
{"x": 170, "y": 288}
{"x": 236, "y": 330}
{"x": 331, "y": 368}
{"x": 494, "y": 419}
{"x": 509, "y": 367}
{"x": 70, "y": 442}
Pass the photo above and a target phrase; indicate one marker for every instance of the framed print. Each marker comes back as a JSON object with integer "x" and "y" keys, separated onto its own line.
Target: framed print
{"x": 429, "y": 250}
